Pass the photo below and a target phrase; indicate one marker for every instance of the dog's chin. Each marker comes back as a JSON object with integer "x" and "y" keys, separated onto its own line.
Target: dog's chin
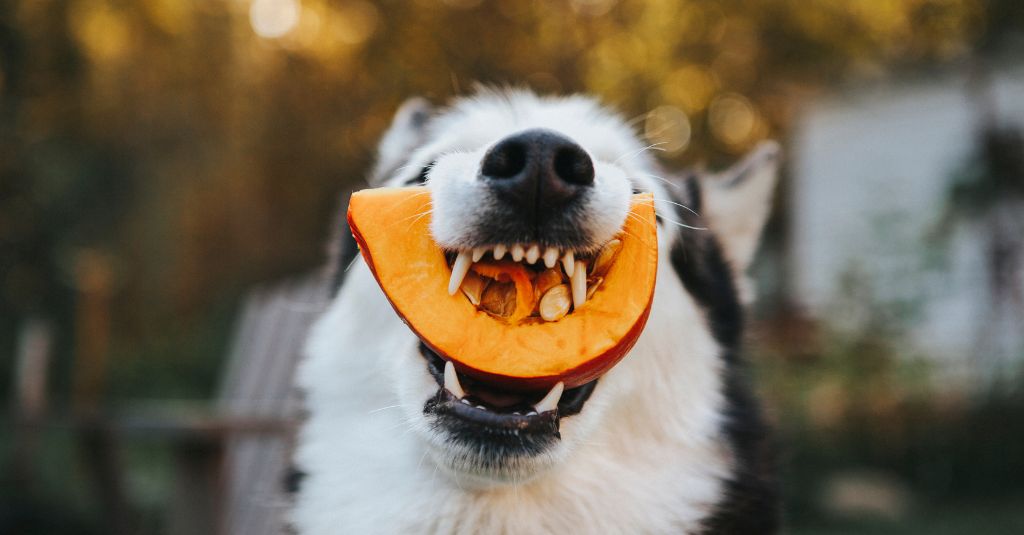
{"x": 472, "y": 468}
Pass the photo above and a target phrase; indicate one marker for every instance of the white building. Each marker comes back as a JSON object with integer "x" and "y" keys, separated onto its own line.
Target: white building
{"x": 871, "y": 172}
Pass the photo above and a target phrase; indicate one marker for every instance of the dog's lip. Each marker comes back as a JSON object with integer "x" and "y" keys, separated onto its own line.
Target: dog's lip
{"x": 514, "y": 416}
{"x": 544, "y": 422}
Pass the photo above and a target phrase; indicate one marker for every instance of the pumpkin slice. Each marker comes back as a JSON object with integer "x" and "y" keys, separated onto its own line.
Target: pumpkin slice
{"x": 519, "y": 352}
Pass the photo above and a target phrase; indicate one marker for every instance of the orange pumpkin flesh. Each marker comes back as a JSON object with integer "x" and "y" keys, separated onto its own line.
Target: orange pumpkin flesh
{"x": 392, "y": 228}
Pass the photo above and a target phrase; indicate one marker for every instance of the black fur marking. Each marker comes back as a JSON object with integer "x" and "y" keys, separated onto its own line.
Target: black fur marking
{"x": 293, "y": 477}
{"x": 751, "y": 498}
{"x": 347, "y": 252}
{"x": 421, "y": 178}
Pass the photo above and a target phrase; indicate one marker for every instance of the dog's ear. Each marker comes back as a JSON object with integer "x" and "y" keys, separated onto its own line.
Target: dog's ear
{"x": 736, "y": 206}
{"x": 407, "y": 131}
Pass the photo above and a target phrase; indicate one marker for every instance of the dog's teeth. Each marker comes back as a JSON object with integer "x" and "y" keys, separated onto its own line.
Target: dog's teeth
{"x": 517, "y": 252}
{"x": 533, "y": 254}
{"x": 451, "y": 381}
{"x": 568, "y": 263}
{"x": 499, "y": 251}
{"x": 579, "y": 284}
{"x": 464, "y": 400}
{"x": 459, "y": 270}
{"x": 517, "y": 413}
{"x": 532, "y": 413}
{"x": 481, "y": 407}
{"x": 550, "y": 401}
{"x": 550, "y": 257}
{"x": 478, "y": 253}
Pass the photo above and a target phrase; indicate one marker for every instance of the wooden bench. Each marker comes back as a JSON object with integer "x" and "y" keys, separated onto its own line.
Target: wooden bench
{"x": 230, "y": 461}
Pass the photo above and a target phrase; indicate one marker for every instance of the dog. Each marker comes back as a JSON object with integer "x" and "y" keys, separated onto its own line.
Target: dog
{"x": 670, "y": 440}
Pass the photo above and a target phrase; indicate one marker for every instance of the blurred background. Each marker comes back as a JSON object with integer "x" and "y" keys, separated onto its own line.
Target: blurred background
{"x": 170, "y": 171}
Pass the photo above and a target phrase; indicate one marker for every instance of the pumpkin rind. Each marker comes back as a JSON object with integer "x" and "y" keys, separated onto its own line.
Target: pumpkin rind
{"x": 392, "y": 228}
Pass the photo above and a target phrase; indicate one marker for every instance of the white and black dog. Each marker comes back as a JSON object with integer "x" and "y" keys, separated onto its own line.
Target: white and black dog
{"x": 669, "y": 441}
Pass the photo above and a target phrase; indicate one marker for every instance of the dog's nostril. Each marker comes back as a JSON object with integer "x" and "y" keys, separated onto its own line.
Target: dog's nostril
{"x": 505, "y": 160}
{"x": 573, "y": 165}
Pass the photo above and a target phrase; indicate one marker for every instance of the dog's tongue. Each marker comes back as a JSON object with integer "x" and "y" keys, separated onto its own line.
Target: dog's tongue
{"x": 496, "y": 399}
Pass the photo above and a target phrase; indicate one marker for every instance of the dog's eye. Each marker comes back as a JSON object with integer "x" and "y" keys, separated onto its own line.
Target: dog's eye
{"x": 421, "y": 178}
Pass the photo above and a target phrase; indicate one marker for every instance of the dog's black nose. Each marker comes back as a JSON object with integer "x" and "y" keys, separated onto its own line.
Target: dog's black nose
{"x": 537, "y": 169}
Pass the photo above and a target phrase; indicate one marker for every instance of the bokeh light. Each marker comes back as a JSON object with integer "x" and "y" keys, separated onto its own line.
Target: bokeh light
{"x": 274, "y": 18}
{"x": 668, "y": 129}
{"x": 732, "y": 119}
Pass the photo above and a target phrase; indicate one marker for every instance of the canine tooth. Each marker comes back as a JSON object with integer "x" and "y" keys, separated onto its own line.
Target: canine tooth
{"x": 569, "y": 263}
{"x": 579, "y": 284}
{"x": 517, "y": 252}
{"x": 550, "y": 401}
{"x": 499, "y": 251}
{"x": 531, "y": 413}
{"x": 550, "y": 257}
{"x": 459, "y": 270}
{"x": 478, "y": 253}
{"x": 533, "y": 254}
{"x": 451, "y": 381}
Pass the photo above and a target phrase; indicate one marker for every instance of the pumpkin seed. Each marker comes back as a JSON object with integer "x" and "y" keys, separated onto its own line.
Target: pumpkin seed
{"x": 473, "y": 287}
{"x": 606, "y": 257}
{"x": 592, "y": 284}
{"x": 499, "y": 299}
{"x": 546, "y": 280}
{"x": 555, "y": 303}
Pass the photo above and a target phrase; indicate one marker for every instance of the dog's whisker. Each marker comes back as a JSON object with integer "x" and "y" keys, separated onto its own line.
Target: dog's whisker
{"x": 386, "y": 408}
{"x": 416, "y": 217}
{"x": 635, "y": 153}
{"x": 663, "y": 179}
{"x": 683, "y": 206}
{"x": 674, "y": 222}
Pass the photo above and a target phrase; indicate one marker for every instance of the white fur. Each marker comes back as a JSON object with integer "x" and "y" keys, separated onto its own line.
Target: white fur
{"x": 643, "y": 456}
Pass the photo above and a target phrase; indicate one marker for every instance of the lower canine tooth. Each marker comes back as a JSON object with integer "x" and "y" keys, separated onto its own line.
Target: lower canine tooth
{"x": 550, "y": 401}
{"x": 579, "y": 284}
{"x": 451, "y": 381}
{"x": 459, "y": 270}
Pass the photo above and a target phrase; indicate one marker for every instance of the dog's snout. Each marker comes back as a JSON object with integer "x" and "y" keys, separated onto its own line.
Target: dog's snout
{"x": 537, "y": 168}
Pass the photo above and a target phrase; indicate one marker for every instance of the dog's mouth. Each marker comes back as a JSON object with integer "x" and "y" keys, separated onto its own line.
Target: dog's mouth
{"x": 513, "y": 422}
